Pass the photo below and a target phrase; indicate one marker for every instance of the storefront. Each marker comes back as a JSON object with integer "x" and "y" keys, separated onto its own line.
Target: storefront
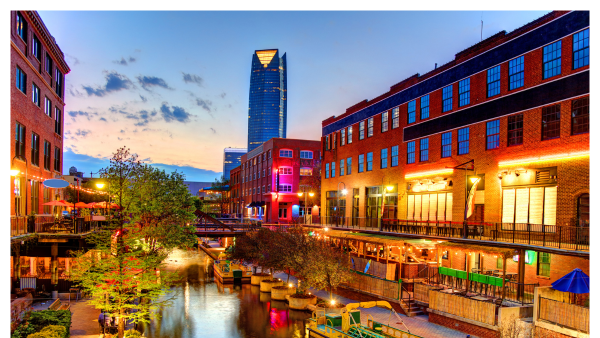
{"x": 430, "y": 200}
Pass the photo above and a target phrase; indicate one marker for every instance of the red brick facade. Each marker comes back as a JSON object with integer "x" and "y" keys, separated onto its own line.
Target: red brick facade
{"x": 31, "y": 116}
{"x": 256, "y": 179}
{"x": 465, "y": 327}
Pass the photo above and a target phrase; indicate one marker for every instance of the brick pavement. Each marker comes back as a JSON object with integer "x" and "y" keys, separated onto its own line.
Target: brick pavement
{"x": 418, "y": 325}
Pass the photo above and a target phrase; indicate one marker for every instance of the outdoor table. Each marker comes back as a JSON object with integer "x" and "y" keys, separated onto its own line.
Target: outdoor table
{"x": 451, "y": 291}
{"x": 475, "y": 270}
{"x": 480, "y": 298}
{"x": 511, "y": 275}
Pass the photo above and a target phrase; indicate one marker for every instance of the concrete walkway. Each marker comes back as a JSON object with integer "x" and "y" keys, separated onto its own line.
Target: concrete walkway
{"x": 84, "y": 320}
{"x": 418, "y": 325}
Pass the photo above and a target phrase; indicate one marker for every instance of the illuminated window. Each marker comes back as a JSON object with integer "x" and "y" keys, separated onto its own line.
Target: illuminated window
{"x": 464, "y": 92}
{"x": 285, "y": 187}
{"x": 424, "y": 107}
{"x": 384, "y": 122}
{"x": 285, "y": 153}
{"x": 447, "y": 99}
{"x": 361, "y": 163}
{"x": 580, "y": 116}
{"x": 395, "y": 118}
{"x": 394, "y": 156}
{"x": 361, "y": 130}
{"x": 493, "y": 81}
{"x": 305, "y": 172}
{"x": 463, "y": 141}
{"x": 21, "y": 27}
{"x": 306, "y": 154}
{"x": 551, "y": 122}
{"x": 447, "y": 144}
{"x": 411, "y": 111}
{"x": 285, "y": 171}
{"x": 348, "y": 165}
{"x": 369, "y": 161}
{"x": 410, "y": 152}
{"x": 581, "y": 49}
{"x": 515, "y": 130}
{"x": 516, "y": 73}
{"x": 493, "y": 134}
{"x": 543, "y": 268}
{"x": 343, "y": 137}
{"x": 370, "y": 127}
{"x": 552, "y": 59}
{"x": 349, "y": 134}
{"x": 384, "y": 160}
{"x": 424, "y": 150}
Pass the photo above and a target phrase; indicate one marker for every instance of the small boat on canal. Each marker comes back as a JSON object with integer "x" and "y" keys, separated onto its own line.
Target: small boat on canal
{"x": 227, "y": 271}
{"x": 347, "y": 324}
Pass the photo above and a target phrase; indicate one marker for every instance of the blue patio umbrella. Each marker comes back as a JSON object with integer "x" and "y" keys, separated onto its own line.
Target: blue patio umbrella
{"x": 575, "y": 282}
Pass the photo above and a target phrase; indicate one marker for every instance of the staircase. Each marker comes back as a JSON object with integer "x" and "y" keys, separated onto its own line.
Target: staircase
{"x": 410, "y": 308}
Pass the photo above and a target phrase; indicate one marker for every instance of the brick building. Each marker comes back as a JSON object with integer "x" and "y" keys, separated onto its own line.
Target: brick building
{"x": 38, "y": 69}
{"x": 267, "y": 184}
{"x": 515, "y": 104}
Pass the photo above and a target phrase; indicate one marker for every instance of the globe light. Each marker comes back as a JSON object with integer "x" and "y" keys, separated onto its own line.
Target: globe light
{"x": 99, "y": 185}
{"x": 311, "y": 194}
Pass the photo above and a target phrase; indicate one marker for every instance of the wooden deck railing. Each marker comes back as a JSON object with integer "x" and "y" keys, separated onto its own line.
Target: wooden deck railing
{"x": 483, "y": 312}
{"x": 564, "y": 314}
{"x": 375, "y": 286}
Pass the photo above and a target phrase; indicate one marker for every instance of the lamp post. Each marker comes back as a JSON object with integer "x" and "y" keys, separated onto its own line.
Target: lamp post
{"x": 337, "y": 199}
{"x": 303, "y": 192}
{"x": 14, "y": 172}
{"x": 101, "y": 185}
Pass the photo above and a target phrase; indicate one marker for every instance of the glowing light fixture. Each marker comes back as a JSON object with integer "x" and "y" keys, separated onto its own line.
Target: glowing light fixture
{"x": 326, "y": 229}
{"x": 332, "y": 302}
{"x": 390, "y": 187}
{"x": 99, "y": 185}
{"x": 291, "y": 284}
{"x": 429, "y": 173}
{"x": 300, "y": 194}
{"x": 344, "y": 192}
{"x": 559, "y": 157}
{"x": 265, "y": 56}
{"x": 311, "y": 194}
{"x": 14, "y": 172}
{"x": 474, "y": 179}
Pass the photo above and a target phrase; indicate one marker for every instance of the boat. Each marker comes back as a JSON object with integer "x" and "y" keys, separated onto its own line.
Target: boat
{"x": 227, "y": 271}
{"x": 347, "y": 324}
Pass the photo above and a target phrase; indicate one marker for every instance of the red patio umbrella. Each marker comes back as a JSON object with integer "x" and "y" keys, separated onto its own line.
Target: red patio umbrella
{"x": 82, "y": 205}
{"x": 66, "y": 204}
{"x": 56, "y": 203}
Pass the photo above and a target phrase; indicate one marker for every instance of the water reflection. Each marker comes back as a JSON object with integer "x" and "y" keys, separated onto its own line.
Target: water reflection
{"x": 204, "y": 308}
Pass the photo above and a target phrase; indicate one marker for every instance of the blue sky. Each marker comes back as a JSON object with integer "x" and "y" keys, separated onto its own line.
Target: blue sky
{"x": 173, "y": 86}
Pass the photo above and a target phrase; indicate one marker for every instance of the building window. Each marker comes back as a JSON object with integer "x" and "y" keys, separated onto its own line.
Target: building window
{"x": 47, "y": 106}
{"x": 361, "y": 163}
{"x": 332, "y": 169}
{"x": 447, "y": 99}
{"x": 305, "y": 172}
{"x": 424, "y": 150}
{"x": 447, "y": 144}
{"x": 551, "y": 122}
{"x": 493, "y": 81}
{"x": 410, "y": 152}
{"x": 35, "y": 94}
{"x": 47, "y": 195}
{"x": 35, "y": 149}
{"x": 349, "y": 134}
{"x": 20, "y": 140}
{"x": 464, "y": 92}
{"x": 35, "y": 196}
{"x": 370, "y": 127}
{"x": 333, "y": 140}
{"x": 493, "y": 134}
{"x": 283, "y": 212}
{"x": 395, "y": 117}
{"x": 21, "y": 80}
{"x": 36, "y": 48}
{"x": 57, "y": 159}
{"x": 384, "y": 122}
{"x": 361, "y": 130}
{"x": 285, "y": 171}
{"x": 384, "y": 160}
{"x": 394, "y": 156}
{"x": 543, "y": 268}
{"x": 516, "y": 73}
{"x": 269, "y": 154}
{"x": 263, "y": 175}
{"x": 47, "y": 155}
{"x": 343, "y": 137}
{"x": 59, "y": 83}
{"x": 580, "y": 116}
{"x": 515, "y": 130}
{"x": 342, "y": 167}
{"x": 348, "y": 165}
{"x": 583, "y": 210}
{"x": 552, "y": 58}
{"x": 424, "y": 107}
{"x": 48, "y": 64}
{"x": 463, "y": 141}
{"x": 268, "y": 188}
{"x": 285, "y": 153}
{"x": 327, "y": 146}
{"x": 326, "y": 170}
{"x": 285, "y": 188}
{"x": 306, "y": 154}
{"x": 581, "y": 49}
{"x": 369, "y": 161}
{"x": 411, "y": 115}
{"x": 21, "y": 27}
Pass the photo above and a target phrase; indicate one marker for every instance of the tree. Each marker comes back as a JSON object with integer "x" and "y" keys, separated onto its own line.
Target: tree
{"x": 328, "y": 268}
{"x": 123, "y": 272}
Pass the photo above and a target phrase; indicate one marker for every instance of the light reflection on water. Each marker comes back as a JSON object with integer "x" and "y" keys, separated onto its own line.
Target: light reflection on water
{"x": 204, "y": 308}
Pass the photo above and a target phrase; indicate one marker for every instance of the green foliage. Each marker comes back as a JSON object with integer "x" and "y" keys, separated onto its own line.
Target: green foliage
{"x": 132, "y": 334}
{"x": 37, "y": 321}
{"x": 51, "y": 331}
{"x": 23, "y": 330}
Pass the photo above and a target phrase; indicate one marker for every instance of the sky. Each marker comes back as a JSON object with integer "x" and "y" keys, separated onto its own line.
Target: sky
{"x": 174, "y": 86}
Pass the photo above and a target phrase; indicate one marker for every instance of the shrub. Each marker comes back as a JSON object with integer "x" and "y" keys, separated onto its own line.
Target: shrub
{"x": 132, "y": 334}
{"x": 50, "y": 331}
{"x": 42, "y": 319}
{"x": 23, "y": 330}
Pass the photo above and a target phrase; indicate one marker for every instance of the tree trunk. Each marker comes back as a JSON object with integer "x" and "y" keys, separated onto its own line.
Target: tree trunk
{"x": 121, "y": 323}
{"x": 288, "y": 276}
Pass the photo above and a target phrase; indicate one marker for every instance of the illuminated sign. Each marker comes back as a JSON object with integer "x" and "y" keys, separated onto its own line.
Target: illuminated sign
{"x": 430, "y": 187}
{"x": 429, "y": 173}
{"x": 559, "y": 157}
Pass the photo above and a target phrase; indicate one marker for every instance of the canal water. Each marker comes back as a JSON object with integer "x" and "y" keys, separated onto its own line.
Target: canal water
{"x": 202, "y": 307}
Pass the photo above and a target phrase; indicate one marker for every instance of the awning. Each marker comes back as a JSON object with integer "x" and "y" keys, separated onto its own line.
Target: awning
{"x": 260, "y": 204}
{"x": 251, "y": 205}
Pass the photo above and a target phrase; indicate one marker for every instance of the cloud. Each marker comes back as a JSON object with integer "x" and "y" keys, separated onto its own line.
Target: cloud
{"x": 192, "y": 78}
{"x": 150, "y": 81}
{"x": 123, "y": 62}
{"x": 103, "y": 119}
{"x": 132, "y": 59}
{"x": 223, "y": 95}
{"x": 142, "y": 117}
{"x": 74, "y": 114}
{"x": 114, "y": 82}
{"x": 83, "y": 133}
{"x": 144, "y": 99}
{"x": 205, "y": 104}
{"x": 71, "y": 60}
{"x": 177, "y": 113}
{"x": 213, "y": 130}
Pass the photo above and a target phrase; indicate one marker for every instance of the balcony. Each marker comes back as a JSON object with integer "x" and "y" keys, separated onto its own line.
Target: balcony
{"x": 49, "y": 225}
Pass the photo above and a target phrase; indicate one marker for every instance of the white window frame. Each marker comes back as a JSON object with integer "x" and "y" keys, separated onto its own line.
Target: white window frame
{"x": 285, "y": 170}
{"x": 305, "y": 152}
{"x": 283, "y": 152}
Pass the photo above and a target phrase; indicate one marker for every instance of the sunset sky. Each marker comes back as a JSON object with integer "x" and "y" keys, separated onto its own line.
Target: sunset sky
{"x": 173, "y": 86}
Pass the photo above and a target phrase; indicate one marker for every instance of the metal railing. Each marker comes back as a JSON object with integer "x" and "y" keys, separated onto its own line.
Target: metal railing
{"x": 520, "y": 292}
{"x": 552, "y": 236}
{"x": 44, "y": 224}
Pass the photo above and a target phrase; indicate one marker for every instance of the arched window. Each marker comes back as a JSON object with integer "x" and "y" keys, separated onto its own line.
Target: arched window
{"x": 583, "y": 210}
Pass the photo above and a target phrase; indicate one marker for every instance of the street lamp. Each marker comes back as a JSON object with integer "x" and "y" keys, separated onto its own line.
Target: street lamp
{"x": 14, "y": 172}
{"x": 302, "y": 193}
{"x": 337, "y": 200}
{"x": 101, "y": 185}
{"x": 389, "y": 188}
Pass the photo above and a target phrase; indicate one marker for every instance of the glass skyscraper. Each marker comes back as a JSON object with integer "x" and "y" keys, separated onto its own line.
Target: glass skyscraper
{"x": 267, "y": 109}
{"x": 232, "y": 157}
